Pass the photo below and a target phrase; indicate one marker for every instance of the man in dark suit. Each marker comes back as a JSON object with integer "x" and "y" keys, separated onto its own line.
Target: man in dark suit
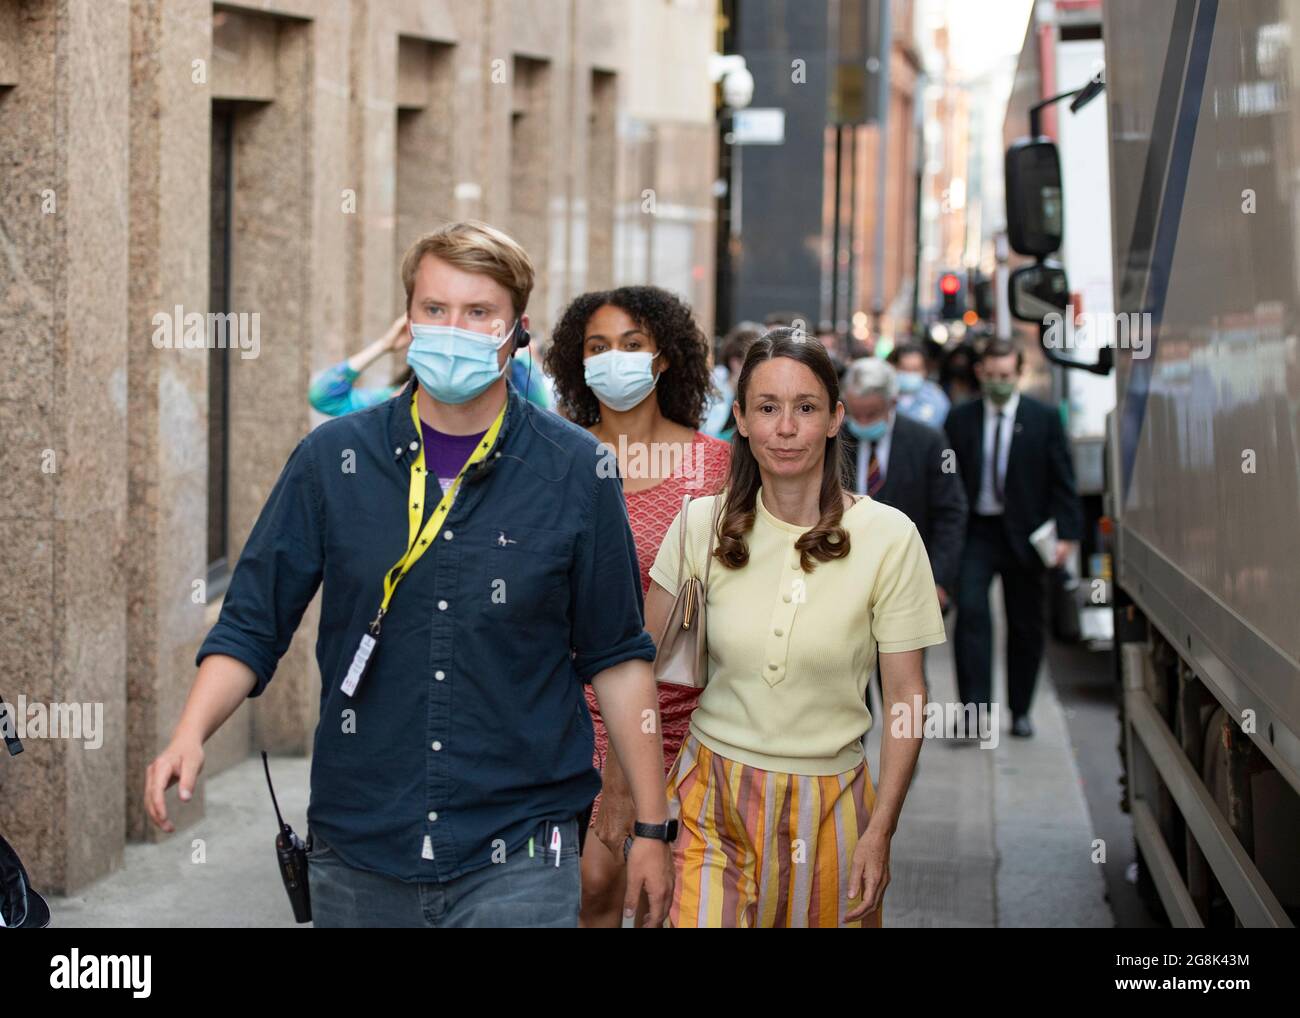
{"x": 1015, "y": 461}
{"x": 901, "y": 462}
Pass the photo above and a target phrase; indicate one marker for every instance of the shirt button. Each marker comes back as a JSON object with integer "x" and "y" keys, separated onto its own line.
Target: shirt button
{"x": 772, "y": 665}
{"x": 795, "y": 564}
{"x": 446, "y": 535}
{"x": 779, "y": 632}
{"x": 397, "y": 451}
{"x": 414, "y": 446}
{"x": 439, "y": 675}
{"x": 785, "y": 598}
{"x": 433, "y": 816}
{"x": 442, "y": 606}
{"x": 437, "y": 746}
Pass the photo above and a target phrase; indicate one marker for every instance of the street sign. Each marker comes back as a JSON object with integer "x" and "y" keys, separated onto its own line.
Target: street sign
{"x": 758, "y": 126}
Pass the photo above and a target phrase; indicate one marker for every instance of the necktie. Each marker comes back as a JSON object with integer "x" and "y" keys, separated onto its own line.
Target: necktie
{"x": 997, "y": 457}
{"x": 874, "y": 478}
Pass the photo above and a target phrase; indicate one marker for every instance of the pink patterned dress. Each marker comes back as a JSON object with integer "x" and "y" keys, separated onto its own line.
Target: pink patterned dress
{"x": 651, "y": 512}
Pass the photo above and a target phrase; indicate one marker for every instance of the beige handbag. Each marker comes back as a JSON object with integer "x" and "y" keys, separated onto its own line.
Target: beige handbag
{"x": 682, "y": 657}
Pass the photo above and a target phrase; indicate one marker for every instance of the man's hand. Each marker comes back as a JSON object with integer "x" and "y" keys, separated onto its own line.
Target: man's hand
{"x": 1064, "y": 549}
{"x": 943, "y": 597}
{"x": 649, "y": 871}
{"x": 869, "y": 874}
{"x": 183, "y": 761}
{"x": 223, "y": 683}
{"x": 617, "y": 815}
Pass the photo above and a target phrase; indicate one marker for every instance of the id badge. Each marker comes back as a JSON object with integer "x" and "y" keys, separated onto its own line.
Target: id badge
{"x": 360, "y": 662}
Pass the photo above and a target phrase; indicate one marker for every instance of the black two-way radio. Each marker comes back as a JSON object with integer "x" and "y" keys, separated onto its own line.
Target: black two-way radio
{"x": 291, "y": 854}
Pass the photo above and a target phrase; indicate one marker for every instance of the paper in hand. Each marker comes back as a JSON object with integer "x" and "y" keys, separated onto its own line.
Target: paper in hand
{"x": 1044, "y": 541}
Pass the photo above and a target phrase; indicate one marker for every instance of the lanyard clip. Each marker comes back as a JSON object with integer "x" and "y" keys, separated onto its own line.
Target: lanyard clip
{"x": 375, "y": 624}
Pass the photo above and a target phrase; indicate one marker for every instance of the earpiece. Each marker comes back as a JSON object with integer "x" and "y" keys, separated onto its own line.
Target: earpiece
{"x": 523, "y": 338}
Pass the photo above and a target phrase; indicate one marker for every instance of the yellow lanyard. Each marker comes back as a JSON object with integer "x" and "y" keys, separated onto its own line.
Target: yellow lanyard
{"x": 418, "y": 541}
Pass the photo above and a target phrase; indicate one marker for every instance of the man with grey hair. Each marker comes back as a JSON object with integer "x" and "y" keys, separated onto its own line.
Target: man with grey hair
{"x": 901, "y": 462}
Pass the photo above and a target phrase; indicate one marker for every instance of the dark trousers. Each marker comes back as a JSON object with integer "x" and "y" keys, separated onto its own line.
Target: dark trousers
{"x": 1024, "y": 587}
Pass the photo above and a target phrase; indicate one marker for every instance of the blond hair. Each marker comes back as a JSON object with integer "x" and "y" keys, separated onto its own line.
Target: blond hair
{"x": 473, "y": 246}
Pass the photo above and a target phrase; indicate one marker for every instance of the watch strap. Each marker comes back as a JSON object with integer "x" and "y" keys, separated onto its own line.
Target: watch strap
{"x": 659, "y": 832}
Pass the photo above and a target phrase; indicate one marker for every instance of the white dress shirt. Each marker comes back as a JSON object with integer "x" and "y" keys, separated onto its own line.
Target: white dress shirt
{"x": 882, "y": 455}
{"x": 988, "y": 503}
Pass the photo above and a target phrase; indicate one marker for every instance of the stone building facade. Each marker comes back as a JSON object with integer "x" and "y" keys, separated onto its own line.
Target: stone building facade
{"x": 268, "y": 158}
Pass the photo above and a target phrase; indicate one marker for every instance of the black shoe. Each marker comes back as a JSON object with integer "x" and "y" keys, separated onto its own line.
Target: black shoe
{"x": 1021, "y": 727}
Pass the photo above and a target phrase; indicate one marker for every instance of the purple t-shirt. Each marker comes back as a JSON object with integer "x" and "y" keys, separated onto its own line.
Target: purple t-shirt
{"x": 445, "y": 454}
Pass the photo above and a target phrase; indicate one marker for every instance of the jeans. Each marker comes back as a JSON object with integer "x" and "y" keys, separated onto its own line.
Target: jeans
{"x": 519, "y": 891}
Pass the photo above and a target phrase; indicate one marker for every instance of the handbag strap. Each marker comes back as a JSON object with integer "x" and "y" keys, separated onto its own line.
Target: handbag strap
{"x": 713, "y": 530}
{"x": 681, "y": 543}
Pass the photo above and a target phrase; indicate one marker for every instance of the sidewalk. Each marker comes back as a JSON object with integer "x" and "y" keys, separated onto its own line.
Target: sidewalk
{"x": 988, "y": 837}
{"x": 999, "y": 836}
{"x": 237, "y": 883}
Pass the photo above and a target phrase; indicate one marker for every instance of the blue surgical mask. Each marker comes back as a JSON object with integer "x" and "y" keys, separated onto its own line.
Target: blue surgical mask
{"x": 910, "y": 381}
{"x": 873, "y": 432}
{"x": 620, "y": 378}
{"x": 454, "y": 365}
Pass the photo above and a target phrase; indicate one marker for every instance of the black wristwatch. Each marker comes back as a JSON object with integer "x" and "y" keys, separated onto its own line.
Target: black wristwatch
{"x": 659, "y": 832}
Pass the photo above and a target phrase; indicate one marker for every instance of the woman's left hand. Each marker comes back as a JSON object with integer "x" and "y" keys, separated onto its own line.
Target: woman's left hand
{"x": 868, "y": 874}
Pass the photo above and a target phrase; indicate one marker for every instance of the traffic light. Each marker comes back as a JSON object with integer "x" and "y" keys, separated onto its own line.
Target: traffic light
{"x": 983, "y": 297}
{"x": 951, "y": 296}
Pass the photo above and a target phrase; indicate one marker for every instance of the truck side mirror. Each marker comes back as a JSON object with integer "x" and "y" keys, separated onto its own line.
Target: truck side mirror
{"x": 1035, "y": 291}
{"x": 1038, "y": 290}
{"x": 1033, "y": 187}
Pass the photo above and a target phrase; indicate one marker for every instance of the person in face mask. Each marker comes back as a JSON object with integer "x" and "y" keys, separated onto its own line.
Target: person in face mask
{"x": 918, "y": 397}
{"x": 1015, "y": 461}
{"x": 899, "y": 461}
{"x": 631, "y": 366}
{"x": 475, "y": 569}
{"x": 335, "y": 392}
{"x": 957, "y": 374}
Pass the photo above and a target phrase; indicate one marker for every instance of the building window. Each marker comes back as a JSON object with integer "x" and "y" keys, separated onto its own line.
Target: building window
{"x": 221, "y": 228}
{"x": 602, "y": 135}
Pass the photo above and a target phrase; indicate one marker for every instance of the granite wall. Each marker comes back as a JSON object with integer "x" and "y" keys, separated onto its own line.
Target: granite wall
{"x": 355, "y": 127}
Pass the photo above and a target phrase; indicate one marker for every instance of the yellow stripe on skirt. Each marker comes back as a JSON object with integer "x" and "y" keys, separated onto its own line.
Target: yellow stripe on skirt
{"x": 758, "y": 848}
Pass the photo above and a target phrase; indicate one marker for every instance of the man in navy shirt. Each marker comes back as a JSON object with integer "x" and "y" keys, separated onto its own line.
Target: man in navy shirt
{"x": 462, "y": 606}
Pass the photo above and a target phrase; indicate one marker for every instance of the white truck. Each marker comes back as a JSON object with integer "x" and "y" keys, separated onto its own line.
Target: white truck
{"x": 1202, "y": 451}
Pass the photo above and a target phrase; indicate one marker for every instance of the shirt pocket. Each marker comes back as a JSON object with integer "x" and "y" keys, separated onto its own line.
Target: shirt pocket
{"x": 519, "y": 574}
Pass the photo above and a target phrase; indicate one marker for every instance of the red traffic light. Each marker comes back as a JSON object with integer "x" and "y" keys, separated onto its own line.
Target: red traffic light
{"x": 949, "y": 284}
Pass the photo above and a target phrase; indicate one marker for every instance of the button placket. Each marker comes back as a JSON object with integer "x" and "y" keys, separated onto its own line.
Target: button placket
{"x": 777, "y": 643}
{"x": 439, "y": 726}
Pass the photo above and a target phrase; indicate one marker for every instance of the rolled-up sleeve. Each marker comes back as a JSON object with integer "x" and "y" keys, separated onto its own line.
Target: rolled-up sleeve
{"x": 277, "y": 574}
{"x": 607, "y": 611}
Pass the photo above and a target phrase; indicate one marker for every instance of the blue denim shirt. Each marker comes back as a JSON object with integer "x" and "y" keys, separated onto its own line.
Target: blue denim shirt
{"x": 470, "y": 726}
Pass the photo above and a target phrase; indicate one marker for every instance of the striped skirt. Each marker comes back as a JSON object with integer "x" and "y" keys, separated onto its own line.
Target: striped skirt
{"x": 758, "y": 848}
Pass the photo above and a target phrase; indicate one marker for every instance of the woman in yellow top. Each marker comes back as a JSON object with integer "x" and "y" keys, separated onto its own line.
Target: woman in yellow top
{"x": 779, "y": 823}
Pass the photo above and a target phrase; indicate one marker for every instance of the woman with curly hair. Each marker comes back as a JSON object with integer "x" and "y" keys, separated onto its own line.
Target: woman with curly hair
{"x": 631, "y": 366}
{"x": 779, "y": 823}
